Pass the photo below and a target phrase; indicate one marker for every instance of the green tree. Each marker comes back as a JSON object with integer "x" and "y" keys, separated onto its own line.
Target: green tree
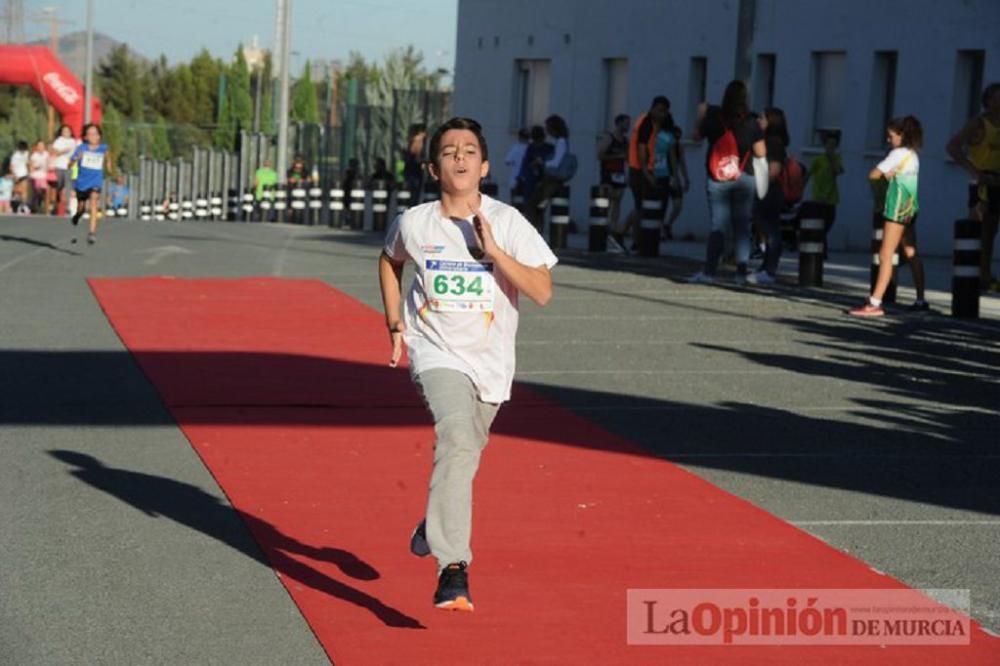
{"x": 266, "y": 80}
{"x": 224, "y": 135}
{"x": 27, "y": 122}
{"x": 205, "y": 72}
{"x": 114, "y": 133}
{"x": 240, "y": 102}
{"x": 119, "y": 83}
{"x": 160, "y": 146}
{"x": 304, "y": 107}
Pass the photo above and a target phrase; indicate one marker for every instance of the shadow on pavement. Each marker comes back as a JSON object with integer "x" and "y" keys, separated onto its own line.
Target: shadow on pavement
{"x": 194, "y": 508}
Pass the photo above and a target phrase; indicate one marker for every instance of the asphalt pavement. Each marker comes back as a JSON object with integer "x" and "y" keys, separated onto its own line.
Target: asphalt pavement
{"x": 877, "y": 436}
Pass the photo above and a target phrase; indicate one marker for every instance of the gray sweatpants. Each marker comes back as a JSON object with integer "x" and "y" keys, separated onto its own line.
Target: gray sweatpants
{"x": 462, "y": 427}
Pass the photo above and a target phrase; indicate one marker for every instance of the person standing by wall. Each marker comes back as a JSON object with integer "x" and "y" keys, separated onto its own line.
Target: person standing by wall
{"x": 641, "y": 149}
{"x": 901, "y": 170}
{"x": 612, "y": 152}
{"x": 552, "y": 179}
{"x": 976, "y": 148}
{"x": 768, "y": 209}
{"x": 735, "y": 141}
{"x": 62, "y": 147}
{"x": 824, "y": 171}
{"x": 515, "y": 158}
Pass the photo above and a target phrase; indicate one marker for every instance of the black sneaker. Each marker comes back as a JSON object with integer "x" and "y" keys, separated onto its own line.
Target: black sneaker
{"x": 76, "y": 219}
{"x": 919, "y": 306}
{"x": 91, "y": 238}
{"x": 453, "y": 588}
{"x": 418, "y": 541}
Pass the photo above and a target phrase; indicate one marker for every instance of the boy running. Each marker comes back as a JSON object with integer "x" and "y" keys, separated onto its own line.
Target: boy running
{"x": 472, "y": 256}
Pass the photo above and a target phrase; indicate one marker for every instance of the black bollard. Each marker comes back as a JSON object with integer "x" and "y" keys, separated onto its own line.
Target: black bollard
{"x": 298, "y": 206}
{"x": 878, "y": 225}
{"x": 234, "y": 209}
{"x": 356, "y": 209}
{"x": 380, "y": 205}
{"x": 648, "y": 242}
{"x": 965, "y": 276}
{"x": 280, "y": 203}
{"x": 559, "y": 218}
{"x": 403, "y": 201}
{"x": 600, "y": 204}
{"x": 812, "y": 242}
{"x": 336, "y": 207}
{"x": 315, "y": 205}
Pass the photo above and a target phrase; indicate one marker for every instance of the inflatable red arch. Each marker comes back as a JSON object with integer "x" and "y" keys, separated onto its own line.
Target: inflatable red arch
{"x": 36, "y": 66}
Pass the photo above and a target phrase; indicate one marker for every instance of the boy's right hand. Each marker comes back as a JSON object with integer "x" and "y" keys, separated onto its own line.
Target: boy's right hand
{"x": 396, "y": 337}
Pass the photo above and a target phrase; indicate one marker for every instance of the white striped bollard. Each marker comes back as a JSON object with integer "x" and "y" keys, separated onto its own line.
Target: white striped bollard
{"x": 357, "y": 209}
{"x": 280, "y": 203}
{"x": 650, "y": 221}
{"x": 600, "y": 203}
{"x": 380, "y": 205}
{"x": 812, "y": 240}
{"x": 403, "y": 201}
{"x": 315, "y": 205}
{"x": 336, "y": 207}
{"x": 559, "y": 218}
{"x": 965, "y": 276}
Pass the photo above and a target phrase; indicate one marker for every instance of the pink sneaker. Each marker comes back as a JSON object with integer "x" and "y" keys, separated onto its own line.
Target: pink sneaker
{"x": 867, "y": 310}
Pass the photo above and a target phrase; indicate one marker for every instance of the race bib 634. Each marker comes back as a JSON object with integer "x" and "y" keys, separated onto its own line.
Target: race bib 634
{"x": 459, "y": 286}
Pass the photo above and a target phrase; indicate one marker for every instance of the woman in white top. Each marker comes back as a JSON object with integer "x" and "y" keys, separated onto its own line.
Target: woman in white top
{"x": 556, "y": 127}
{"x": 19, "y": 167}
{"x": 38, "y": 167}
{"x": 62, "y": 148}
{"x": 898, "y": 173}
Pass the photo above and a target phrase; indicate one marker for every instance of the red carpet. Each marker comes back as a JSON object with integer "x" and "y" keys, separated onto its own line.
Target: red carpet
{"x": 281, "y": 387}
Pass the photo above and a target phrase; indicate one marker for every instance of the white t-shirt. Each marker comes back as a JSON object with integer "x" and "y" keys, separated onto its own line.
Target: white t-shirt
{"x": 19, "y": 164}
{"x": 39, "y": 165}
{"x": 460, "y": 313}
{"x": 895, "y": 158}
{"x": 61, "y": 159}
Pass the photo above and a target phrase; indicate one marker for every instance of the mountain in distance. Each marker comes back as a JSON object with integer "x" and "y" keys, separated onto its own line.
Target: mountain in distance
{"x": 73, "y": 50}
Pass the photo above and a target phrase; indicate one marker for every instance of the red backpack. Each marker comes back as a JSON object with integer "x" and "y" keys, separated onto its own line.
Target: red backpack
{"x": 792, "y": 180}
{"x": 724, "y": 163}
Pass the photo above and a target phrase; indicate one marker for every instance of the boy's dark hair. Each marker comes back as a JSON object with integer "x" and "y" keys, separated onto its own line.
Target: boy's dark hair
{"x": 537, "y": 133}
{"x": 523, "y": 134}
{"x": 458, "y": 124}
{"x": 22, "y": 145}
{"x": 620, "y": 117}
{"x": 910, "y": 129}
{"x": 777, "y": 125}
{"x": 735, "y": 102}
{"x": 988, "y": 92}
{"x": 415, "y": 129}
{"x": 88, "y": 126}
{"x": 827, "y": 134}
{"x": 556, "y": 126}
{"x": 660, "y": 99}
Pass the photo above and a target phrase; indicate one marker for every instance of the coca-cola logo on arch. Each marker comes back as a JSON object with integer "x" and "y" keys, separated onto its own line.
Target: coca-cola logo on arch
{"x": 68, "y": 93}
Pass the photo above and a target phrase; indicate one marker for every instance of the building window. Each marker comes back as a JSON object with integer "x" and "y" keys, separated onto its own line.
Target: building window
{"x": 531, "y": 93}
{"x": 763, "y": 81}
{"x": 615, "y": 90}
{"x": 966, "y": 99}
{"x": 697, "y": 87}
{"x": 829, "y": 70}
{"x": 882, "y": 99}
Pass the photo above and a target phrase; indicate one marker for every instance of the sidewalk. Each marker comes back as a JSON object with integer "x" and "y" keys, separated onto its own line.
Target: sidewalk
{"x": 844, "y": 272}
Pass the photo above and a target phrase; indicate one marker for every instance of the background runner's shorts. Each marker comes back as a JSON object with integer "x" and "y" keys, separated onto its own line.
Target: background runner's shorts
{"x": 987, "y": 195}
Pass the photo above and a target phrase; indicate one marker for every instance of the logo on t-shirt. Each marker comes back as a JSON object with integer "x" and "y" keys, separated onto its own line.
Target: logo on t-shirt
{"x": 432, "y": 249}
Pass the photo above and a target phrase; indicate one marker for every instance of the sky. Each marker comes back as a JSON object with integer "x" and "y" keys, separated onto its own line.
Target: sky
{"x": 321, "y": 29}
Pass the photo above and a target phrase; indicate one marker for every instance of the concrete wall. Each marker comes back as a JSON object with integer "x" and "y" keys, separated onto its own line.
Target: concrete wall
{"x": 659, "y": 38}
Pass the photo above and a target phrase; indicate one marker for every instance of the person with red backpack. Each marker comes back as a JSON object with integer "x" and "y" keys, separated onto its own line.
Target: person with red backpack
{"x": 736, "y": 150}
{"x": 769, "y": 208}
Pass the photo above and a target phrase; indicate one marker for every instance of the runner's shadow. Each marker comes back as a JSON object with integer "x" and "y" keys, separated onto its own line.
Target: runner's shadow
{"x": 191, "y": 506}
{"x": 36, "y": 243}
